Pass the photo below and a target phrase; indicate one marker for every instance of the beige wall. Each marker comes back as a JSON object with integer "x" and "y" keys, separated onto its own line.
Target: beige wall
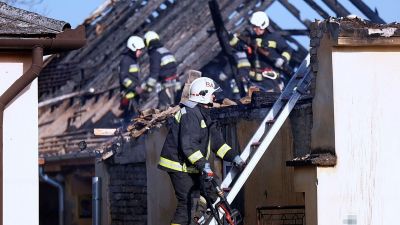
{"x": 21, "y": 193}
{"x": 305, "y": 181}
{"x": 271, "y": 183}
{"x": 363, "y": 185}
{"x": 161, "y": 200}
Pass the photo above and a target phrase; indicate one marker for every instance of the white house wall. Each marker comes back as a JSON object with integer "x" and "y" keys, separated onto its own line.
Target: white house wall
{"x": 21, "y": 187}
{"x": 364, "y": 185}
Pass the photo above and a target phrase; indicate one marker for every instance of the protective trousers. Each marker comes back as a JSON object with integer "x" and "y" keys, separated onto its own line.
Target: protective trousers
{"x": 129, "y": 108}
{"x": 187, "y": 192}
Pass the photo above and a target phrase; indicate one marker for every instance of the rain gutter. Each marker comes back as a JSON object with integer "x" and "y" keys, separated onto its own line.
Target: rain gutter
{"x": 69, "y": 39}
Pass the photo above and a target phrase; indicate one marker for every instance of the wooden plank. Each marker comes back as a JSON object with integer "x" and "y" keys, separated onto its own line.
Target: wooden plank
{"x": 104, "y": 131}
{"x": 374, "y": 17}
{"x": 60, "y": 98}
{"x": 192, "y": 75}
{"x": 317, "y": 8}
{"x": 295, "y": 12}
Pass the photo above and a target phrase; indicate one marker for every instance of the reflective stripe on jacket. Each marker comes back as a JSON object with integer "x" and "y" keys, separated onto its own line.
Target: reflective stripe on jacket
{"x": 128, "y": 73}
{"x": 272, "y": 43}
{"x": 162, "y": 63}
{"x": 190, "y": 139}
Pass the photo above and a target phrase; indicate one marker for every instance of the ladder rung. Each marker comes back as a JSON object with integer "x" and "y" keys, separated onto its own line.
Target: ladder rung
{"x": 256, "y": 144}
{"x": 270, "y": 122}
{"x": 301, "y": 90}
{"x": 227, "y": 189}
{"x": 252, "y": 154}
{"x": 285, "y": 98}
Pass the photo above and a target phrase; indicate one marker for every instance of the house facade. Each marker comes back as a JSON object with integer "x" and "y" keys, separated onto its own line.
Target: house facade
{"x": 25, "y": 38}
{"x": 354, "y": 118}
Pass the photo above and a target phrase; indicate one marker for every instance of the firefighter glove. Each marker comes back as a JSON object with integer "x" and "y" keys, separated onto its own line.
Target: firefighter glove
{"x": 208, "y": 174}
{"x": 150, "y": 84}
{"x": 241, "y": 46}
{"x": 138, "y": 90}
{"x": 239, "y": 163}
{"x": 279, "y": 63}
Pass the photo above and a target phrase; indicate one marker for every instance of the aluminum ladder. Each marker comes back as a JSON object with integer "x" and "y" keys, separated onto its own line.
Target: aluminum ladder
{"x": 268, "y": 129}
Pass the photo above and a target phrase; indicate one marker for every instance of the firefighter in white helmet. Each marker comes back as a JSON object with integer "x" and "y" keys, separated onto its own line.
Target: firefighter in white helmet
{"x": 129, "y": 76}
{"x": 163, "y": 69}
{"x": 187, "y": 147}
{"x": 262, "y": 56}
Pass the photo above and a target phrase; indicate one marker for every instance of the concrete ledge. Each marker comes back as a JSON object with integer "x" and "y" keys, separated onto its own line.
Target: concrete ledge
{"x": 321, "y": 159}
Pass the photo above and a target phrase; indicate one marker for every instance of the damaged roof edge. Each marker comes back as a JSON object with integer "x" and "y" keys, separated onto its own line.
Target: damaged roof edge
{"x": 327, "y": 159}
{"x": 358, "y": 32}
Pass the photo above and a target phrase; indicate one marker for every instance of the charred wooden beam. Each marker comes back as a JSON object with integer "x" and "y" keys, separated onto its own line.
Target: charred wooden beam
{"x": 317, "y": 8}
{"x": 290, "y": 32}
{"x": 374, "y": 17}
{"x": 301, "y": 51}
{"x": 295, "y": 12}
{"x": 128, "y": 12}
{"x": 130, "y": 20}
{"x": 114, "y": 43}
{"x": 167, "y": 27}
{"x": 223, "y": 38}
{"x": 338, "y": 8}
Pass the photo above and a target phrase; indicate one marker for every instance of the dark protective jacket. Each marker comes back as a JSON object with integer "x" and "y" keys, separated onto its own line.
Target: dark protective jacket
{"x": 128, "y": 73}
{"x": 190, "y": 139}
{"x": 162, "y": 62}
{"x": 272, "y": 43}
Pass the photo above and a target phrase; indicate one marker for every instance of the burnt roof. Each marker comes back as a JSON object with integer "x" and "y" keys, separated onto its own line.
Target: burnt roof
{"x": 18, "y": 22}
{"x": 185, "y": 27}
{"x": 356, "y": 31}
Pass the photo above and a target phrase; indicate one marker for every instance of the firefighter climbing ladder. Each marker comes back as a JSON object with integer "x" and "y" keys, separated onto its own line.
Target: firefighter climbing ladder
{"x": 269, "y": 127}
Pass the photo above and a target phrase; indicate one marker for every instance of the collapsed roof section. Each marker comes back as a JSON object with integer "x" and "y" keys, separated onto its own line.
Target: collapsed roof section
{"x": 76, "y": 85}
{"x": 185, "y": 27}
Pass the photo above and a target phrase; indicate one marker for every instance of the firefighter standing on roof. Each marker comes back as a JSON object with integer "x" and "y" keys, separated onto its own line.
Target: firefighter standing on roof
{"x": 264, "y": 56}
{"x": 129, "y": 77}
{"x": 162, "y": 71}
{"x": 187, "y": 148}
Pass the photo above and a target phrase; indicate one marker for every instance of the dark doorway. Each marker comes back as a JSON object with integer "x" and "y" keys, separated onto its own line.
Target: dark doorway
{"x": 48, "y": 204}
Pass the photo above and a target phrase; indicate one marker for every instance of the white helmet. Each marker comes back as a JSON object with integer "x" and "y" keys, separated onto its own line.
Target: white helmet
{"x": 259, "y": 19}
{"x": 202, "y": 89}
{"x": 134, "y": 43}
{"x": 149, "y": 36}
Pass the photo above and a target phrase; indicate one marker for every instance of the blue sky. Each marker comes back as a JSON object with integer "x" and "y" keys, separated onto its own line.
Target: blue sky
{"x": 75, "y": 11}
{"x": 71, "y": 11}
{"x": 387, "y": 9}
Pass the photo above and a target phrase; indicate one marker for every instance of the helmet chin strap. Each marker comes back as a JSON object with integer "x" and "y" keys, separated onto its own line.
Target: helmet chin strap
{"x": 206, "y": 105}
